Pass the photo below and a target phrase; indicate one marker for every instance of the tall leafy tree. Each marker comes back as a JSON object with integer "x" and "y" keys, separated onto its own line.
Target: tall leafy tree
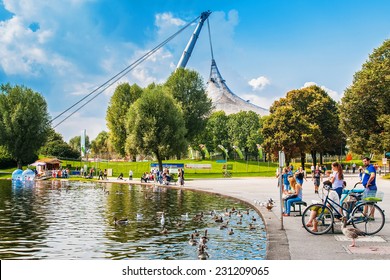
{"x": 56, "y": 146}
{"x": 75, "y": 143}
{"x": 284, "y": 130}
{"x": 215, "y": 132}
{"x": 187, "y": 87}
{"x": 155, "y": 125}
{"x": 306, "y": 120}
{"x": 101, "y": 144}
{"x": 120, "y": 102}
{"x": 24, "y": 122}
{"x": 365, "y": 104}
{"x": 244, "y": 131}
{"x": 319, "y": 108}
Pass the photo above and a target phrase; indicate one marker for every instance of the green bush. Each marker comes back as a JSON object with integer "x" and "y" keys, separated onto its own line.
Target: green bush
{"x": 5, "y": 159}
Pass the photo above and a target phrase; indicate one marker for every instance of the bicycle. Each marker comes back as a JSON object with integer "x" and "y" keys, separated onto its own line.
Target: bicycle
{"x": 226, "y": 174}
{"x": 355, "y": 212}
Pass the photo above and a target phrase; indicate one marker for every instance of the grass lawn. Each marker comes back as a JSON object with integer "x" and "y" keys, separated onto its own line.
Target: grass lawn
{"x": 238, "y": 168}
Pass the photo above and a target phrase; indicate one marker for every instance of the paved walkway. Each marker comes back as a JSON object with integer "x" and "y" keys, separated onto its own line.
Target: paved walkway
{"x": 294, "y": 242}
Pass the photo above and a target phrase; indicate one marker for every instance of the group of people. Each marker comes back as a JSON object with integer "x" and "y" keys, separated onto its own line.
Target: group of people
{"x": 292, "y": 182}
{"x": 163, "y": 177}
{"x": 60, "y": 173}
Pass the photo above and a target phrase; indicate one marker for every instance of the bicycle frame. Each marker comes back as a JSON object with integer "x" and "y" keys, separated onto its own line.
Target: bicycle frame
{"x": 354, "y": 212}
{"x": 346, "y": 193}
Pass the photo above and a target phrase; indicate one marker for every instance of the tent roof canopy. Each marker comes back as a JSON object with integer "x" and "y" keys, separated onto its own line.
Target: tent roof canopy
{"x": 45, "y": 161}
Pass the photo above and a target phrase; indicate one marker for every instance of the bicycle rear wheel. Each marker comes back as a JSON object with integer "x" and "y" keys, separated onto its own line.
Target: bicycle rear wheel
{"x": 320, "y": 213}
{"x": 368, "y": 217}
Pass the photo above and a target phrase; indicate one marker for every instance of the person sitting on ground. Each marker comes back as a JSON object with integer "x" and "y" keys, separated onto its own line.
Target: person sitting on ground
{"x": 144, "y": 177}
{"x": 295, "y": 195}
{"x": 120, "y": 177}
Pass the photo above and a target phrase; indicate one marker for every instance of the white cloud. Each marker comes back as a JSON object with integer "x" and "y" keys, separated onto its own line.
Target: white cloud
{"x": 258, "y": 100}
{"x": 259, "y": 83}
{"x": 167, "y": 20}
{"x": 73, "y": 126}
{"x": 333, "y": 94}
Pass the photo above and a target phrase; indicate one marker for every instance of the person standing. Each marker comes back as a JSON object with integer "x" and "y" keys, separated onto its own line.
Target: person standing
{"x": 353, "y": 168}
{"x": 181, "y": 176}
{"x": 286, "y": 183}
{"x": 101, "y": 175}
{"x": 369, "y": 183}
{"x": 131, "y": 175}
{"x": 300, "y": 174}
{"x": 337, "y": 178}
{"x": 369, "y": 176}
{"x": 317, "y": 178}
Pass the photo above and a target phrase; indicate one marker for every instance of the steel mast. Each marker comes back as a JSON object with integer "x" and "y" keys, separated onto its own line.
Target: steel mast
{"x": 191, "y": 43}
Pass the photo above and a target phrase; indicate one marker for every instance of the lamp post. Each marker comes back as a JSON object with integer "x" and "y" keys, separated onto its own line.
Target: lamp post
{"x": 281, "y": 165}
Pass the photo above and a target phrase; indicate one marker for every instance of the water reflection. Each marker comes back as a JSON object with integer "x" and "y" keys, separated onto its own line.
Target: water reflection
{"x": 75, "y": 220}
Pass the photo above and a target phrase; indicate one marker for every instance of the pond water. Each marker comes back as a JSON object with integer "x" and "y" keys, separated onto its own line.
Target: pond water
{"x": 75, "y": 220}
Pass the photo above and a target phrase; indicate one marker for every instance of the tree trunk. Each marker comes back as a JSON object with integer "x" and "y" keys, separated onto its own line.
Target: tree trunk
{"x": 159, "y": 159}
{"x": 303, "y": 157}
{"x": 20, "y": 165}
{"x": 314, "y": 157}
{"x": 321, "y": 159}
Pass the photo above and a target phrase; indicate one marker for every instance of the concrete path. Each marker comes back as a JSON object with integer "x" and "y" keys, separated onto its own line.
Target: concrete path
{"x": 294, "y": 242}
{"x": 287, "y": 239}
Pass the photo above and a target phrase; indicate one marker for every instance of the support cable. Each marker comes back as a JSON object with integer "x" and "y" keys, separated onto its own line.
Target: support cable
{"x": 118, "y": 76}
{"x": 211, "y": 45}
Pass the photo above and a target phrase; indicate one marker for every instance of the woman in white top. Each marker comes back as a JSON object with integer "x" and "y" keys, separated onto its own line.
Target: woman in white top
{"x": 337, "y": 178}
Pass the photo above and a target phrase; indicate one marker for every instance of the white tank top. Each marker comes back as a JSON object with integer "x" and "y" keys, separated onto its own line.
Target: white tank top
{"x": 337, "y": 182}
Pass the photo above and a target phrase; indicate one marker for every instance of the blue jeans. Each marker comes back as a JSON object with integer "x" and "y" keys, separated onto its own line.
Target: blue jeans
{"x": 288, "y": 202}
{"x": 339, "y": 191}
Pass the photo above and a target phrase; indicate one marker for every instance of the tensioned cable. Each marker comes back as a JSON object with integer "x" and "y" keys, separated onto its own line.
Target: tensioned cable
{"x": 211, "y": 45}
{"x": 118, "y": 76}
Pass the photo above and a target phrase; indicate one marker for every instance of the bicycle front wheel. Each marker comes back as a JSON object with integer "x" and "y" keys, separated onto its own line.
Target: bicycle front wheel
{"x": 320, "y": 214}
{"x": 368, "y": 217}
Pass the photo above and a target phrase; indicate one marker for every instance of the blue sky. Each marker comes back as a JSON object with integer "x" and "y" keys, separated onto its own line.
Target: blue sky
{"x": 64, "y": 49}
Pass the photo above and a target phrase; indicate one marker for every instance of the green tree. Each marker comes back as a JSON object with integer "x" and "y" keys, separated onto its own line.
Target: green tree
{"x": 187, "y": 87}
{"x": 6, "y": 160}
{"x": 100, "y": 146}
{"x": 306, "y": 120}
{"x": 56, "y": 146}
{"x": 156, "y": 126}
{"x": 75, "y": 143}
{"x": 385, "y": 136}
{"x": 24, "y": 122}
{"x": 365, "y": 104}
{"x": 244, "y": 131}
{"x": 120, "y": 102}
{"x": 215, "y": 132}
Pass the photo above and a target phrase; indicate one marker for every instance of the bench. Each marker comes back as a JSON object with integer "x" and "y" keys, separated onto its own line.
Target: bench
{"x": 298, "y": 204}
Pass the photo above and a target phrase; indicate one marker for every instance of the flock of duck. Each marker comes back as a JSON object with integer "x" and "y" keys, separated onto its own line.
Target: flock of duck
{"x": 221, "y": 220}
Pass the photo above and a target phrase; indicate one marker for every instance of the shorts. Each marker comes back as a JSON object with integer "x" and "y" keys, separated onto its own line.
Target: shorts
{"x": 316, "y": 182}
